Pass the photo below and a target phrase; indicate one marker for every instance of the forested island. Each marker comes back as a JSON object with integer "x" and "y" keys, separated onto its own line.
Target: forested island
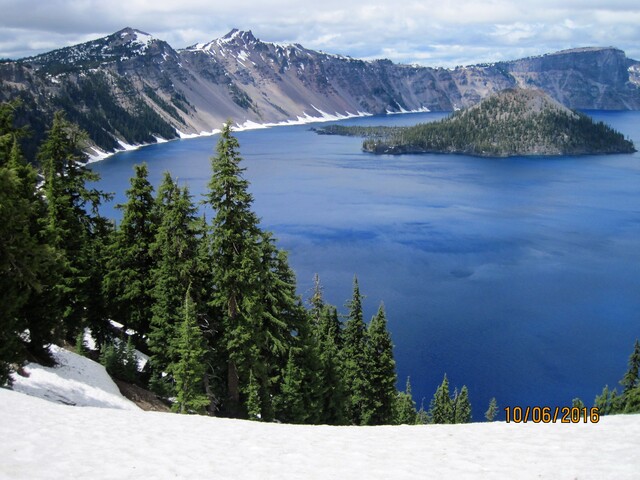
{"x": 514, "y": 122}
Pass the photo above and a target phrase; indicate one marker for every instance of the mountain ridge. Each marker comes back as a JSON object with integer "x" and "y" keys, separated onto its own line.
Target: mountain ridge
{"x": 130, "y": 87}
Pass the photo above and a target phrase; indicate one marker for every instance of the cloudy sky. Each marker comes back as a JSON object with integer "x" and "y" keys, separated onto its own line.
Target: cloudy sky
{"x": 427, "y": 32}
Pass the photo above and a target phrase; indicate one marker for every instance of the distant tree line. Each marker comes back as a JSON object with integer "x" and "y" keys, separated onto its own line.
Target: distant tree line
{"x": 213, "y": 303}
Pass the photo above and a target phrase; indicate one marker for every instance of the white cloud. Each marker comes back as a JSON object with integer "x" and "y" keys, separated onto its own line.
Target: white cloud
{"x": 444, "y": 32}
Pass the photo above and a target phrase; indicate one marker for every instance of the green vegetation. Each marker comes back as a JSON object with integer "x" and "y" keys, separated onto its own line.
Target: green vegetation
{"x": 609, "y": 402}
{"x": 90, "y": 103}
{"x": 511, "y": 123}
{"x": 213, "y": 304}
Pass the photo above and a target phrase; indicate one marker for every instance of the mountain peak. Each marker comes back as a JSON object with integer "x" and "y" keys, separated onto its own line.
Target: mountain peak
{"x": 125, "y": 43}
{"x": 239, "y": 36}
{"x": 134, "y": 35}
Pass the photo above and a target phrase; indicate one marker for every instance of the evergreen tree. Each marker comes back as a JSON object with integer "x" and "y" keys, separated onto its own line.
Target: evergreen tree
{"x": 632, "y": 401}
{"x": 174, "y": 253}
{"x": 355, "y": 360}
{"x": 332, "y": 402}
{"x": 70, "y": 221}
{"x": 81, "y": 348}
{"x": 252, "y": 295}
{"x": 28, "y": 264}
{"x": 462, "y": 407}
{"x": 119, "y": 359}
{"x": 630, "y": 379}
{"x": 577, "y": 403}
{"x": 285, "y": 327}
{"x": 334, "y": 398}
{"x": 405, "y": 408}
{"x": 128, "y": 283}
{"x": 441, "y": 407}
{"x": 608, "y": 402}
{"x": 292, "y": 408}
{"x": 316, "y": 301}
{"x": 382, "y": 371}
{"x": 190, "y": 368}
{"x": 422, "y": 417}
{"x": 492, "y": 411}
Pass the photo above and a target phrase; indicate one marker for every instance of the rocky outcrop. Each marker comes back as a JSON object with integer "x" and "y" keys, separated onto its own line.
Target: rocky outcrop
{"x": 130, "y": 87}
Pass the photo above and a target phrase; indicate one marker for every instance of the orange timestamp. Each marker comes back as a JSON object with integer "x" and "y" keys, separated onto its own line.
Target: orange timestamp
{"x": 552, "y": 414}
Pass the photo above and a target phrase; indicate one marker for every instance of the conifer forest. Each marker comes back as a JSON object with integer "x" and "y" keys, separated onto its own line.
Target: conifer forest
{"x": 212, "y": 301}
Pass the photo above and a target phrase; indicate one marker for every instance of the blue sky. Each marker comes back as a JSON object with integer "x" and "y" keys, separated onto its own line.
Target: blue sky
{"x": 434, "y": 33}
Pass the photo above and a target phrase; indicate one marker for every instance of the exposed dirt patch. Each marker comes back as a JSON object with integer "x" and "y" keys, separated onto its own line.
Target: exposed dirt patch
{"x": 145, "y": 399}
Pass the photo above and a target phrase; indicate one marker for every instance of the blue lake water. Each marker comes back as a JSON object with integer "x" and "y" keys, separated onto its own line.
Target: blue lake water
{"x": 518, "y": 277}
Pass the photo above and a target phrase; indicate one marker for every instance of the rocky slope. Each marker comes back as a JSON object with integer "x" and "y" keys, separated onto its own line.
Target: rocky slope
{"x": 130, "y": 87}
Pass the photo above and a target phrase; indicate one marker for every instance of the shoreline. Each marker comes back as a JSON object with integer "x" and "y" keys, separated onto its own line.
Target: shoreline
{"x": 305, "y": 119}
{"x": 247, "y": 125}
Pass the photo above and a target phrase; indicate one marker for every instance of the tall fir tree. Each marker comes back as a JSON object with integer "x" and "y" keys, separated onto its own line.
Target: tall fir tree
{"x": 174, "y": 251}
{"x": 381, "y": 371}
{"x": 20, "y": 264}
{"x": 441, "y": 407}
{"x": 72, "y": 216}
{"x": 128, "y": 283}
{"x": 30, "y": 266}
{"x": 236, "y": 255}
{"x": 190, "y": 368}
{"x": 355, "y": 360}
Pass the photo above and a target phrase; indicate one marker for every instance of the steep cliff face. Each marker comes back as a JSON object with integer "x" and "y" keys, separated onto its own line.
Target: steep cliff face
{"x": 587, "y": 78}
{"x": 132, "y": 87}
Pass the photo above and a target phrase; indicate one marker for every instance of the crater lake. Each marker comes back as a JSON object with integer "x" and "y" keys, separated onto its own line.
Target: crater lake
{"x": 517, "y": 277}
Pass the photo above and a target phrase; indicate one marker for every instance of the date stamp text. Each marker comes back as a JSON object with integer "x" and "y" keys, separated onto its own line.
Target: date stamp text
{"x": 552, "y": 415}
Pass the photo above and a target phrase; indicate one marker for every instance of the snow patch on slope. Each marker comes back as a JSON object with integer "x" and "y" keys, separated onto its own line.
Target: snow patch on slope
{"x": 75, "y": 380}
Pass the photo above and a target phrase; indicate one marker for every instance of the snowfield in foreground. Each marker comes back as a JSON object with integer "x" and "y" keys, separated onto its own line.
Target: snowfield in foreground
{"x": 43, "y": 439}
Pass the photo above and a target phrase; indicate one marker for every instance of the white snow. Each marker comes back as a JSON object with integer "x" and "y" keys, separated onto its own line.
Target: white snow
{"x": 301, "y": 120}
{"x": 402, "y": 110}
{"x": 143, "y": 38}
{"x": 128, "y": 147}
{"x": 243, "y": 56}
{"x": 76, "y": 380}
{"x": 98, "y": 155}
{"x": 42, "y": 440}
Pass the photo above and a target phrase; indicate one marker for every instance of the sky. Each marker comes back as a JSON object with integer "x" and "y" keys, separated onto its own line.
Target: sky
{"x": 427, "y": 32}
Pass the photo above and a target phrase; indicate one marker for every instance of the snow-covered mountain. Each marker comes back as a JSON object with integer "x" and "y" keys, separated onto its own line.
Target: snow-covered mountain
{"x": 132, "y": 87}
{"x": 43, "y": 439}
